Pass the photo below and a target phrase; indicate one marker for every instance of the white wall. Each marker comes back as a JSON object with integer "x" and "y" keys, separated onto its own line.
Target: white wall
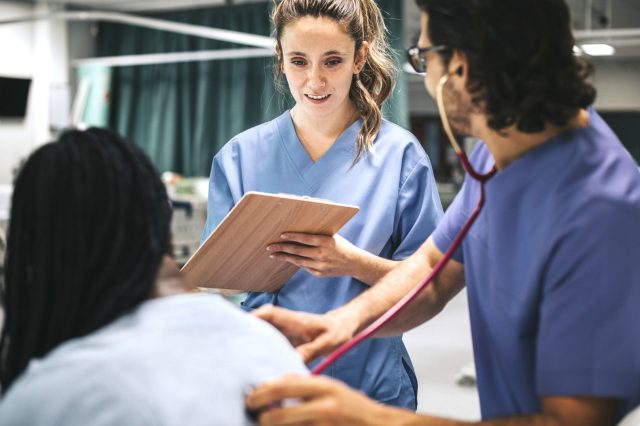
{"x": 617, "y": 78}
{"x": 617, "y": 81}
{"x": 33, "y": 50}
{"x": 618, "y": 84}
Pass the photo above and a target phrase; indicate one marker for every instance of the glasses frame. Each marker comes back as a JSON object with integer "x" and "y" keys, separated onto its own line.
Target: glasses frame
{"x": 417, "y": 56}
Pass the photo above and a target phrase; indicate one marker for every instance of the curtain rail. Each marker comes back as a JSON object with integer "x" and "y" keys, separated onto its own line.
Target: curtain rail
{"x": 158, "y": 24}
{"x": 175, "y": 57}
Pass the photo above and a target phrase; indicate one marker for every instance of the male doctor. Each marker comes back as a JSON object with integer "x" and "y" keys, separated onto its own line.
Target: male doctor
{"x": 550, "y": 266}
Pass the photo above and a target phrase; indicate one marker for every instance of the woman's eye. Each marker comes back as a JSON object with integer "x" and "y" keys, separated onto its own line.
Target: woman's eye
{"x": 333, "y": 62}
{"x": 297, "y": 62}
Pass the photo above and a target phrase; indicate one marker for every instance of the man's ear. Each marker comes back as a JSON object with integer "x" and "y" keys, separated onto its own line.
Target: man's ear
{"x": 459, "y": 66}
{"x": 361, "y": 57}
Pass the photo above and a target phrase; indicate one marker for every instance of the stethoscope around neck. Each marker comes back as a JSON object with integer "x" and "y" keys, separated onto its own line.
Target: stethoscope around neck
{"x": 395, "y": 309}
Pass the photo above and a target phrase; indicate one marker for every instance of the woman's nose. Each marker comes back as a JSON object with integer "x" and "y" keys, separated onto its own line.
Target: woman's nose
{"x": 315, "y": 79}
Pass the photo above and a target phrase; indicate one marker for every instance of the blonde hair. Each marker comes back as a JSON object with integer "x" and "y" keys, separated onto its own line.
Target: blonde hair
{"x": 363, "y": 21}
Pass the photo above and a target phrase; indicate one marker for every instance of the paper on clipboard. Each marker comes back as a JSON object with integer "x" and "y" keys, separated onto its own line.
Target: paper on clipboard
{"x": 234, "y": 256}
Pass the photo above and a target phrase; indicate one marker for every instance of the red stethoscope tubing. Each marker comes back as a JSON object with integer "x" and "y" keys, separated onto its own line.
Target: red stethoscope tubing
{"x": 400, "y": 305}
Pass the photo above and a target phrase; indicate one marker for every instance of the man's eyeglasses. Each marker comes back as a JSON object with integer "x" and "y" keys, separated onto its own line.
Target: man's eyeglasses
{"x": 418, "y": 56}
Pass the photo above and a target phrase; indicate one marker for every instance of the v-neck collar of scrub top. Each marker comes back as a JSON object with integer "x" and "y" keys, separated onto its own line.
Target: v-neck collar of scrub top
{"x": 339, "y": 155}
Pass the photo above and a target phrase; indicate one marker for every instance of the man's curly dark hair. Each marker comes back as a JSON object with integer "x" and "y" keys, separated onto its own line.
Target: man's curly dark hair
{"x": 522, "y": 69}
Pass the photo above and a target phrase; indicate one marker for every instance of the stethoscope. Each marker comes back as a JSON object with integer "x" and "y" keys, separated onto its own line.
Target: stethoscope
{"x": 387, "y": 316}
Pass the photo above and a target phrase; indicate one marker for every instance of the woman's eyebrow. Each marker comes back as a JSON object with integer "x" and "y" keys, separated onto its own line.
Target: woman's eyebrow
{"x": 329, "y": 53}
{"x": 334, "y": 52}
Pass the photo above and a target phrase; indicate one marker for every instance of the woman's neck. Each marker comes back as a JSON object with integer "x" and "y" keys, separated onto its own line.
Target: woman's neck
{"x": 317, "y": 135}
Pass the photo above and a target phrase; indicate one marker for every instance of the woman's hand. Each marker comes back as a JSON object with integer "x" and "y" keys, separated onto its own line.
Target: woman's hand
{"x": 329, "y": 256}
{"x": 321, "y": 255}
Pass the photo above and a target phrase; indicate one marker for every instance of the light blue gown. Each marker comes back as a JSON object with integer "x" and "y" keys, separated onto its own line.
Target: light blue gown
{"x": 399, "y": 207}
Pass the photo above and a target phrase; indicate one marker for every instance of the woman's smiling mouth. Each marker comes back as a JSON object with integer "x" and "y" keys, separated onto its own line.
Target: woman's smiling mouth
{"x": 317, "y": 99}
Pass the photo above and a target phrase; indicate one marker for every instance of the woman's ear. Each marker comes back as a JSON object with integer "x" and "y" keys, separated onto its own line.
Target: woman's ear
{"x": 279, "y": 56}
{"x": 361, "y": 57}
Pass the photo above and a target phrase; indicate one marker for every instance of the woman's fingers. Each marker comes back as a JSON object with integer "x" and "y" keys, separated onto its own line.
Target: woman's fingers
{"x": 310, "y": 252}
{"x": 307, "y": 239}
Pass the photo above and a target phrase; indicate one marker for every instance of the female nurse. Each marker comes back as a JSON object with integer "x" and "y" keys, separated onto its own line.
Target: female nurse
{"x": 334, "y": 144}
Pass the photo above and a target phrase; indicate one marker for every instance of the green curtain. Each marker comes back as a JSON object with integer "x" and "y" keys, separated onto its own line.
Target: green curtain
{"x": 396, "y": 109}
{"x": 182, "y": 114}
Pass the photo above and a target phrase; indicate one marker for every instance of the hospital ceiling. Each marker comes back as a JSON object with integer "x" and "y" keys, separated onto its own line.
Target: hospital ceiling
{"x": 618, "y": 13}
{"x": 140, "y": 5}
{"x": 603, "y": 18}
{"x": 604, "y": 24}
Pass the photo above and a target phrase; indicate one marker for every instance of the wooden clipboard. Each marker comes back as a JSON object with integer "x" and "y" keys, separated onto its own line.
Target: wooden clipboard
{"x": 234, "y": 256}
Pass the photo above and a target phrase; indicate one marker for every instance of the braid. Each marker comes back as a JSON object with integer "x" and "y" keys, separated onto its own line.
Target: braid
{"x": 89, "y": 226}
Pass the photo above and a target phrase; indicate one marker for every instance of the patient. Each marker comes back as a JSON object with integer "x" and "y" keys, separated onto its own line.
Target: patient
{"x": 89, "y": 336}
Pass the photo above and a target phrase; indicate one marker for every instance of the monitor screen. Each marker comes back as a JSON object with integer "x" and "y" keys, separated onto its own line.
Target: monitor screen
{"x": 14, "y": 93}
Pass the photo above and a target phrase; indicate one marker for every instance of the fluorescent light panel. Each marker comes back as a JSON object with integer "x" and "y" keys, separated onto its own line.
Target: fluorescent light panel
{"x": 598, "y": 49}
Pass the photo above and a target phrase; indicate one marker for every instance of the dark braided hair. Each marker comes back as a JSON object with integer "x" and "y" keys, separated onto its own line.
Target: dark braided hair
{"x": 89, "y": 227}
{"x": 522, "y": 69}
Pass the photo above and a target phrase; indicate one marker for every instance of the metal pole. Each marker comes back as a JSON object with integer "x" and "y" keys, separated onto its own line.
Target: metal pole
{"x": 158, "y": 24}
{"x": 616, "y": 33}
{"x": 588, "y": 11}
{"x": 174, "y": 57}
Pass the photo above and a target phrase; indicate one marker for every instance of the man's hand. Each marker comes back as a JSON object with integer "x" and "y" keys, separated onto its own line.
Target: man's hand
{"x": 317, "y": 400}
{"x": 312, "y": 335}
{"x": 326, "y": 402}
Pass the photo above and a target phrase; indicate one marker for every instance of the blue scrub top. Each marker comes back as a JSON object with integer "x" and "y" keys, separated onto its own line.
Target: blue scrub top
{"x": 552, "y": 272}
{"x": 399, "y": 207}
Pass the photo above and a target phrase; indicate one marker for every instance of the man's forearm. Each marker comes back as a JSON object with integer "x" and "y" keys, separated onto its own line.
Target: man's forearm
{"x": 373, "y": 303}
{"x": 556, "y": 411}
{"x": 412, "y": 419}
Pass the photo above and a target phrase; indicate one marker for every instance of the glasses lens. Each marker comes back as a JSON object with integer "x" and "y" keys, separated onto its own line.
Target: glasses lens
{"x": 416, "y": 60}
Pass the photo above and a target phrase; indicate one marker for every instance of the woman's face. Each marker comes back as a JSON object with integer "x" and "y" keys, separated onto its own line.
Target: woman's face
{"x": 318, "y": 59}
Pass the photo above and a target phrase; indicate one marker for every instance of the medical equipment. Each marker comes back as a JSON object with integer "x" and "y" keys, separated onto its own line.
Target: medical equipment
{"x": 187, "y": 222}
{"x": 391, "y": 313}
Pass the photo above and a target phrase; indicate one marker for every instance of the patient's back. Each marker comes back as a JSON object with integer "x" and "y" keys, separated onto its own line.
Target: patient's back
{"x": 179, "y": 360}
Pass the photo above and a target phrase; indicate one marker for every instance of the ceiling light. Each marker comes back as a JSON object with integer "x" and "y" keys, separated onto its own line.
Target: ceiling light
{"x": 597, "y": 49}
